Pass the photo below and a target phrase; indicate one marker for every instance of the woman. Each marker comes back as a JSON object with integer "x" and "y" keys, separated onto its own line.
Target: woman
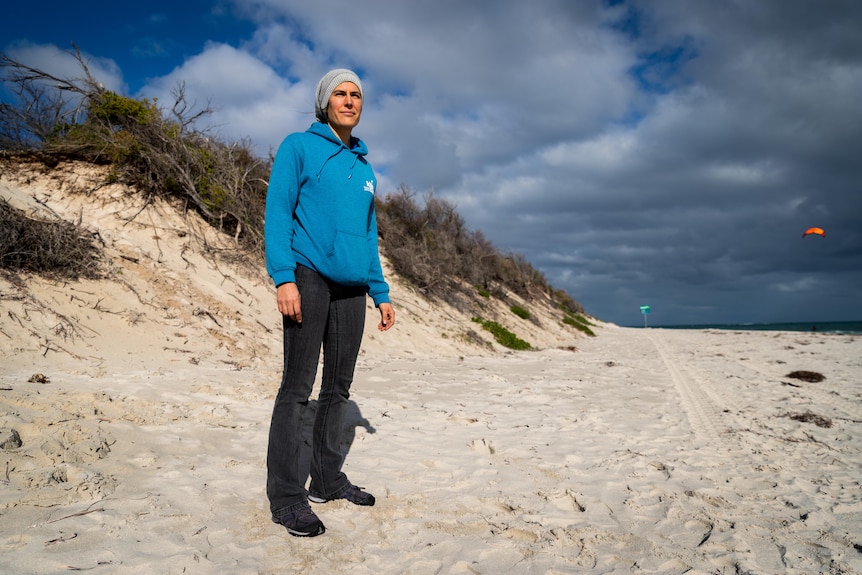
{"x": 322, "y": 254}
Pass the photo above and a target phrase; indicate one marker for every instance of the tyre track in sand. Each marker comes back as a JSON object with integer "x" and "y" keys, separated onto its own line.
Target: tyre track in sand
{"x": 704, "y": 409}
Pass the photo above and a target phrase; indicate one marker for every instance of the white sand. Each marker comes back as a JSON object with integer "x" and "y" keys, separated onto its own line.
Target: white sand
{"x": 642, "y": 450}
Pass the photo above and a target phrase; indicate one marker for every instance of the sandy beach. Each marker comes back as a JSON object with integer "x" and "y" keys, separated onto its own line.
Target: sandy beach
{"x": 134, "y": 415}
{"x": 645, "y": 450}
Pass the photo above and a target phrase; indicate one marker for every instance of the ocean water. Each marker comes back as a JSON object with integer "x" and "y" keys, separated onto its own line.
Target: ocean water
{"x": 837, "y": 327}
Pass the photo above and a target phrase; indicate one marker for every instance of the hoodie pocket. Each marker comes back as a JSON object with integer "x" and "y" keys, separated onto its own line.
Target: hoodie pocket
{"x": 348, "y": 261}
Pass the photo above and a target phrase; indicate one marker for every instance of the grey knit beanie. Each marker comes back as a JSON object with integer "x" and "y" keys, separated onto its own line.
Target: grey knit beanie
{"x": 327, "y": 85}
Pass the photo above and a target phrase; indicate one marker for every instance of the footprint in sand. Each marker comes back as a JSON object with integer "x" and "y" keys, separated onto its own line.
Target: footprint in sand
{"x": 482, "y": 446}
{"x": 565, "y": 500}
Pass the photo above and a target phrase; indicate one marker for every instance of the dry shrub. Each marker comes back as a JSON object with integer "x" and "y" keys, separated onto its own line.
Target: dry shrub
{"x": 51, "y": 248}
{"x": 430, "y": 246}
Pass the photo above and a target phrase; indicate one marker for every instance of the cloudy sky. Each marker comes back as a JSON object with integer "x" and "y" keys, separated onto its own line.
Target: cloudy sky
{"x": 666, "y": 153}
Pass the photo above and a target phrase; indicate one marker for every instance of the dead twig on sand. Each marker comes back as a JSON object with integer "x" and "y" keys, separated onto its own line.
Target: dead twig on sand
{"x": 98, "y": 564}
{"x": 79, "y": 514}
{"x": 60, "y": 539}
{"x": 201, "y": 311}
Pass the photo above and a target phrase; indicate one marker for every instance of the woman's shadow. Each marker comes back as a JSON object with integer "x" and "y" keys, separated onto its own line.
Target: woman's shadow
{"x": 352, "y": 419}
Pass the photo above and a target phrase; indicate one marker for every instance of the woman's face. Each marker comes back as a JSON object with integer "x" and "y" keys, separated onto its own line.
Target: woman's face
{"x": 345, "y": 106}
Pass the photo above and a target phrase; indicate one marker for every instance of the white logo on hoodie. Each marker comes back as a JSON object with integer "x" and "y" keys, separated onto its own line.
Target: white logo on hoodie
{"x": 369, "y": 186}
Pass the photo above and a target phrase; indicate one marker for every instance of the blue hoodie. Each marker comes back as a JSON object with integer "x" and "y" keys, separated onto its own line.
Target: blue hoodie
{"x": 320, "y": 212}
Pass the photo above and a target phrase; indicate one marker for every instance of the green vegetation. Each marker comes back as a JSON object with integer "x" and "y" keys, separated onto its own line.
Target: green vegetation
{"x": 578, "y": 322}
{"x": 503, "y": 336}
{"x": 520, "y": 312}
{"x": 114, "y": 110}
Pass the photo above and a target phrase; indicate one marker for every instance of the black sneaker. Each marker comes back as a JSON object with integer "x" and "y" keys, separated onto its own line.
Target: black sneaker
{"x": 353, "y": 494}
{"x": 302, "y": 523}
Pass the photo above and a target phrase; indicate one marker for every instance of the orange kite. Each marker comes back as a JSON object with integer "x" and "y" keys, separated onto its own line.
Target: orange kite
{"x": 816, "y": 231}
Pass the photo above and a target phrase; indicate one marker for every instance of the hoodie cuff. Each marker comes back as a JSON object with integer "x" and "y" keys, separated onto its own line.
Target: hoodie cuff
{"x": 380, "y": 298}
{"x": 284, "y": 277}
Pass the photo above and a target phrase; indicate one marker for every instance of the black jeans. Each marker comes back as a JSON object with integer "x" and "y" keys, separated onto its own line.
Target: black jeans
{"x": 333, "y": 317}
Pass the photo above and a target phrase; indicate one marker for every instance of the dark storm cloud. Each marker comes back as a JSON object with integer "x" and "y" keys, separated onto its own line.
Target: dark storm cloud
{"x": 700, "y": 205}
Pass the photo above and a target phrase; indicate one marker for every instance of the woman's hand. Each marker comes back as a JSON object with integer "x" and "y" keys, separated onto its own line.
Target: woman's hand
{"x": 387, "y": 316}
{"x": 287, "y": 296}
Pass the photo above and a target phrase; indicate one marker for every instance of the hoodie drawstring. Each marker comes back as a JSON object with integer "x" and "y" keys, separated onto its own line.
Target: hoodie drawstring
{"x": 338, "y": 151}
